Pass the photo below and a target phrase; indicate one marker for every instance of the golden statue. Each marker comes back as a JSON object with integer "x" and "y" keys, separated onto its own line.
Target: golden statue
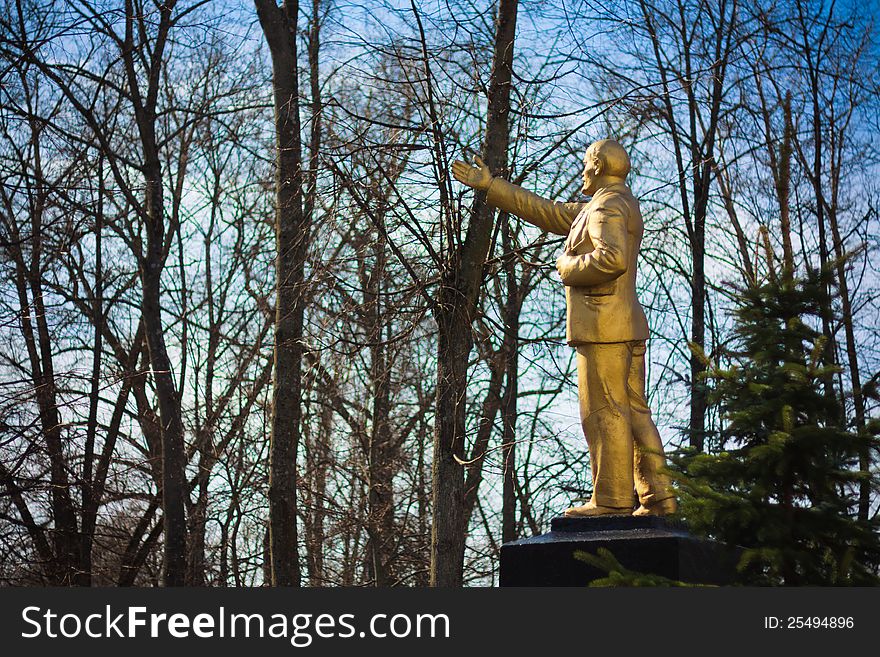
{"x": 605, "y": 324}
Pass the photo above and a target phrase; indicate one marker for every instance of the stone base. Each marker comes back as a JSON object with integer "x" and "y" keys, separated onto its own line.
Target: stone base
{"x": 650, "y": 544}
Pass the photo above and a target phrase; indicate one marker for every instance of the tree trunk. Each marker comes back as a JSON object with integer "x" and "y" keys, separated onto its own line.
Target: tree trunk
{"x": 321, "y": 452}
{"x": 279, "y": 26}
{"x": 460, "y": 287}
{"x": 61, "y": 568}
{"x": 490, "y": 408}
{"x": 87, "y": 538}
{"x": 380, "y": 452}
{"x": 320, "y": 461}
{"x": 447, "y": 530}
{"x": 174, "y": 485}
{"x": 813, "y": 72}
{"x": 699, "y": 400}
{"x": 698, "y": 133}
{"x": 511, "y": 312}
{"x": 847, "y": 319}
{"x": 198, "y": 518}
{"x": 173, "y": 455}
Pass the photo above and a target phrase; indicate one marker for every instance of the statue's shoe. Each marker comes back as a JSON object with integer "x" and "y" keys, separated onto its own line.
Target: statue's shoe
{"x": 590, "y": 509}
{"x": 659, "y": 508}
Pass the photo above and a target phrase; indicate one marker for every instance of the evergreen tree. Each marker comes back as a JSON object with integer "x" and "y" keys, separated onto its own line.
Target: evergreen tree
{"x": 781, "y": 477}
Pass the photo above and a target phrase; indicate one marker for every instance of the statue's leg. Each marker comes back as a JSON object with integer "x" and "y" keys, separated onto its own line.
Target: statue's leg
{"x": 605, "y": 418}
{"x": 652, "y": 485}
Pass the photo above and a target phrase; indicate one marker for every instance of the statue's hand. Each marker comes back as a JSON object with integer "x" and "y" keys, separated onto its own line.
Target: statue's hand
{"x": 476, "y": 175}
{"x": 565, "y": 265}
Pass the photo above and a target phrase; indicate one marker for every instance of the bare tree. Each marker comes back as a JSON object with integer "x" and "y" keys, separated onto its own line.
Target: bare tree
{"x": 459, "y": 291}
{"x": 292, "y": 239}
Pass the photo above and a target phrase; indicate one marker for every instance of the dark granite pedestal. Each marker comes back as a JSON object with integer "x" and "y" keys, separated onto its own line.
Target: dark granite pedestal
{"x": 644, "y": 544}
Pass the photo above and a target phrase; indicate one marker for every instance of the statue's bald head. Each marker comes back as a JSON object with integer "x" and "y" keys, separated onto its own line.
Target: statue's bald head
{"x": 607, "y": 158}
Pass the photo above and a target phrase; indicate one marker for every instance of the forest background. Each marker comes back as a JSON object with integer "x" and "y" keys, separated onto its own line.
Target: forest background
{"x": 423, "y": 379}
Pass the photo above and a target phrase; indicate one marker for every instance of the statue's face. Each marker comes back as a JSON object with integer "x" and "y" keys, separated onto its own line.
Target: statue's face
{"x": 590, "y": 176}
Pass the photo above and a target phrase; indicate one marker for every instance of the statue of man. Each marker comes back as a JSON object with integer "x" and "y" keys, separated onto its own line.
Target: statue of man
{"x": 605, "y": 324}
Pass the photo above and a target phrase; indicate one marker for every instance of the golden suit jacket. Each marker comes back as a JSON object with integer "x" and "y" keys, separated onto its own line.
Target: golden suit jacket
{"x": 605, "y": 235}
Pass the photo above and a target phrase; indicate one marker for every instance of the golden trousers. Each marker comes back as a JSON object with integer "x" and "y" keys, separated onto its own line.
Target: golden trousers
{"x": 626, "y": 452}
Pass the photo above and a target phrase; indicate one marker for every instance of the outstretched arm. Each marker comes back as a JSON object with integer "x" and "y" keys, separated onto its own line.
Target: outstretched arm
{"x": 551, "y": 216}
